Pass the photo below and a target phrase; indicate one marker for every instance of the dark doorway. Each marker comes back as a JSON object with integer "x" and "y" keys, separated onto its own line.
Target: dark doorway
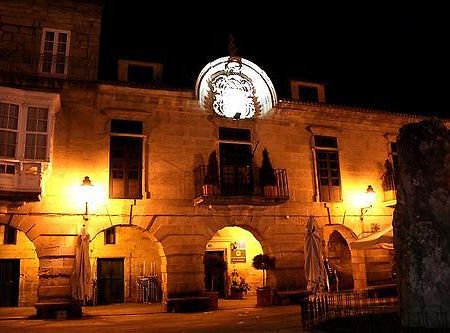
{"x": 110, "y": 280}
{"x": 215, "y": 267}
{"x": 236, "y": 172}
{"x": 340, "y": 258}
{"x": 9, "y": 282}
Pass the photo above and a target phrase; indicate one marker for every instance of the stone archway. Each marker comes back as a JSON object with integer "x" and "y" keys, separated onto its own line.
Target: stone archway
{"x": 21, "y": 254}
{"x": 350, "y": 261}
{"x": 238, "y": 246}
{"x": 340, "y": 257}
{"x": 136, "y": 257}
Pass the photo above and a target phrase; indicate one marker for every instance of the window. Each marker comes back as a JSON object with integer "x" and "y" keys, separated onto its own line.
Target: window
{"x": 54, "y": 51}
{"x": 9, "y": 125}
{"x": 308, "y": 94}
{"x": 126, "y": 159}
{"x": 32, "y": 142}
{"x": 10, "y": 235}
{"x": 327, "y": 168}
{"x": 138, "y": 74}
{"x": 234, "y": 134}
{"x": 110, "y": 235}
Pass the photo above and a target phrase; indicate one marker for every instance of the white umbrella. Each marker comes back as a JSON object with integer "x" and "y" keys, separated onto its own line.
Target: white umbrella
{"x": 314, "y": 268}
{"x": 81, "y": 282}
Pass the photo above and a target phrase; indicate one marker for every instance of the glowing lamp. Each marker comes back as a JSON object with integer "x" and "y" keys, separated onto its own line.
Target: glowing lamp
{"x": 369, "y": 200}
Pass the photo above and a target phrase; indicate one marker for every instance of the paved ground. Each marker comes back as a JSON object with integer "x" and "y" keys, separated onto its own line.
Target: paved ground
{"x": 232, "y": 316}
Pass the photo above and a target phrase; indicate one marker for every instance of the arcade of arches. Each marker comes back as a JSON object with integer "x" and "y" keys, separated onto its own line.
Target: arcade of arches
{"x": 124, "y": 256}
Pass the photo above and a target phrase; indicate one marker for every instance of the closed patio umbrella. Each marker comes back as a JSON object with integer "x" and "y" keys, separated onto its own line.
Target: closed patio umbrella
{"x": 314, "y": 268}
{"x": 81, "y": 281}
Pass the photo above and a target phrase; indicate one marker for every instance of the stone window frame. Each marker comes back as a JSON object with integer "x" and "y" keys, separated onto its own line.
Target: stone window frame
{"x": 110, "y": 235}
{"x": 141, "y": 177}
{"x": 327, "y": 131}
{"x": 10, "y": 235}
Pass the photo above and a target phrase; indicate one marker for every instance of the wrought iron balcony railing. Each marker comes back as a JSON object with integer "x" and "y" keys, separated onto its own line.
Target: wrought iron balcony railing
{"x": 240, "y": 184}
{"x": 389, "y": 187}
{"x": 21, "y": 66}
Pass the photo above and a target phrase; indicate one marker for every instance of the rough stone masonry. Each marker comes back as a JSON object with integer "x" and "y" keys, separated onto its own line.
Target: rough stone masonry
{"x": 422, "y": 224}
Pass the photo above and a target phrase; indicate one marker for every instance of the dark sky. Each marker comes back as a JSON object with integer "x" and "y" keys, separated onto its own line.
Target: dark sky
{"x": 370, "y": 55}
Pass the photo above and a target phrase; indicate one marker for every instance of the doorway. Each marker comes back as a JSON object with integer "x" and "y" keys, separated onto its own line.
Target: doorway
{"x": 9, "y": 282}
{"x": 236, "y": 171}
{"x": 340, "y": 258}
{"x": 215, "y": 268}
{"x": 110, "y": 280}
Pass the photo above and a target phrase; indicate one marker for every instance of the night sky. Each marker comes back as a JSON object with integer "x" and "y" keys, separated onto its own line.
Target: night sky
{"x": 376, "y": 56}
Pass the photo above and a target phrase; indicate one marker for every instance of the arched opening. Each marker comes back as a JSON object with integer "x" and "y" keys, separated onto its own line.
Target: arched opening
{"x": 236, "y": 247}
{"x": 126, "y": 266}
{"x": 339, "y": 256}
{"x": 19, "y": 267}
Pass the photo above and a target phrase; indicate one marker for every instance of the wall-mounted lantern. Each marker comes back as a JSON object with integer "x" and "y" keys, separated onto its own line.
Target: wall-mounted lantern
{"x": 369, "y": 200}
{"x": 86, "y": 192}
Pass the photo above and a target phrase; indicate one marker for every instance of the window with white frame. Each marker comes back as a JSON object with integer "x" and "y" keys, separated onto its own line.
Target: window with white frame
{"x": 30, "y": 143}
{"x": 9, "y": 126}
{"x": 26, "y": 127}
{"x": 54, "y": 51}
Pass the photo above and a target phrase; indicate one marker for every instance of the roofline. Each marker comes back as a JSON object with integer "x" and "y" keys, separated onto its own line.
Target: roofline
{"x": 354, "y": 108}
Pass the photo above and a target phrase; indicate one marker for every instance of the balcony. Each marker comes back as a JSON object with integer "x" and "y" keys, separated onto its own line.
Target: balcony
{"x": 389, "y": 189}
{"x": 21, "y": 68}
{"x": 20, "y": 181}
{"x": 240, "y": 185}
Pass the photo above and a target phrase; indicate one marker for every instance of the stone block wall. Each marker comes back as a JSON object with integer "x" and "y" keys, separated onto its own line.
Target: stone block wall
{"x": 24, "y": 250}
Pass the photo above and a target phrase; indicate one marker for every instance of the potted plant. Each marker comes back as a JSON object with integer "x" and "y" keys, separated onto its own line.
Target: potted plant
{"x": 267, "y": 178}
{"x": 264, "y": 294}
{"x": 211, "y": 179}
{"x": 238, "y": 286}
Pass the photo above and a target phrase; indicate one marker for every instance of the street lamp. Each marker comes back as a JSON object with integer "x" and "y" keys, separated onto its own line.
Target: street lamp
{"x": 369, "y": 200}
{"x": 86, "y": 189}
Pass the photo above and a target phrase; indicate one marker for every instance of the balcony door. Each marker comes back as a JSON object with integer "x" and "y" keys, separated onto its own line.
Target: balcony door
{"x": 236, "y": 172}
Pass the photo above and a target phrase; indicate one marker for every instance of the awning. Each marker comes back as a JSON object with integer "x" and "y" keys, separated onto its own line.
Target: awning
{"x": 384, "y": 238}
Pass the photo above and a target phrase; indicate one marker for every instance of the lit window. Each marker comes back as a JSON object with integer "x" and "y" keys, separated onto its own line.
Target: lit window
{"x": 327, "y": 168}
{"x": 10, "y": 235}
{"x": 54, "y": 51}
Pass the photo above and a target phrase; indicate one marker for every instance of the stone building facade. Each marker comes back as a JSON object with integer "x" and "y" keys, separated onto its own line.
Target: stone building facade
{"x": 146, "y": 149}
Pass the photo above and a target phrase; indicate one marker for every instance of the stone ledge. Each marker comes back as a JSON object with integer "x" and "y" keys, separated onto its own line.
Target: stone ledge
{"x": 58, "y": 310}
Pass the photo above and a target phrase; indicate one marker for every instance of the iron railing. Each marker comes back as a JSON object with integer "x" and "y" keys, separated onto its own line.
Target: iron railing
{"x": 389, "y": 186}
{"x": 322, "y": 307}
{"x": 148, "y": 289}
{"x": 26, "y": 65}
{"x": 241, "y": 181}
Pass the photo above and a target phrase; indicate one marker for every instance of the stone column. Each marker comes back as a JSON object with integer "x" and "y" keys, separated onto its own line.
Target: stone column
{"x": 422, "y": 224}
{"x": 56, "y": 260}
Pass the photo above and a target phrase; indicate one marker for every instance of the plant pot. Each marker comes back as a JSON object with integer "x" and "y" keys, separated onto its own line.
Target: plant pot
{"x": 213, "y": 299}
{"x": 236, "y": 294}
{"x": 210, "y": 189}
{"x": 263, "y": 297}
{"x": 270, "y": 191}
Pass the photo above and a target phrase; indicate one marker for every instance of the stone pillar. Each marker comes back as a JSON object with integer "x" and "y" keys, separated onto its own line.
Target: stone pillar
{"x": 56, "y": 260}
{"x": 422, "y": 224}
